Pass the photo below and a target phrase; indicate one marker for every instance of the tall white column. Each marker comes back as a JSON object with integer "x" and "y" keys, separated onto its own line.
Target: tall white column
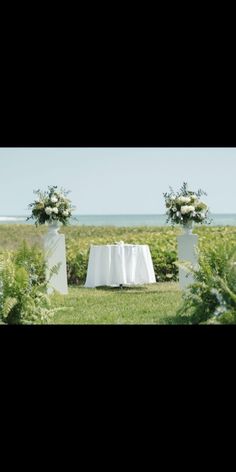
{"x": 55, "y": 254}
{"x": 187, "y": 246}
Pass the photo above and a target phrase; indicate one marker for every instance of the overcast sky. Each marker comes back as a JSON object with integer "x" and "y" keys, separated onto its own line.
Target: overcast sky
{"x": 117, "y": 180}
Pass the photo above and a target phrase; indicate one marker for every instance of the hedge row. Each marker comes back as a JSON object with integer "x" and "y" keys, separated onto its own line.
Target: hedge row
{"x": 162, "y": 242}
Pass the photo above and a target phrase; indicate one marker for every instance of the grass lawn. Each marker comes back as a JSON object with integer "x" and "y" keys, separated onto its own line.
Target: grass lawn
{"x": 146, "y": 304}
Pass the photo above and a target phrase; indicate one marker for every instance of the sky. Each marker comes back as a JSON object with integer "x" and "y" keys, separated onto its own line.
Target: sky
{"x": 117, "y": 180}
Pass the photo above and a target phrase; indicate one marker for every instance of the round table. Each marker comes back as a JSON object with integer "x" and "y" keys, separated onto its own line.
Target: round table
{"x": 119, "y": 264}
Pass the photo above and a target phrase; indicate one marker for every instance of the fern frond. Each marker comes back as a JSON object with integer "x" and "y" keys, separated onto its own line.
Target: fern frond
{"x": 8, "y": 305}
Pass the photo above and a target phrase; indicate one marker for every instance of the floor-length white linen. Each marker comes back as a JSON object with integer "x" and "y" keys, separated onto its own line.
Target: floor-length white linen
{"x": 119, "y": 264}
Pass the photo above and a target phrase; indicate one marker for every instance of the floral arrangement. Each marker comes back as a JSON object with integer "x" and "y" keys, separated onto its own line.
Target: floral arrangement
{"x": 185, "y": 206}
{"x": 51, "y": 206}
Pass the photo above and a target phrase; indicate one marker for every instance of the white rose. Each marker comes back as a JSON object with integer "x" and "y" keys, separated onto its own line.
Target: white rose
{"x": 181, "y": 199}
{"x": 54, "y": 199}
{"x": 65, "y": 213}
{"x": 184, "y": 199}
{"x": 186, "y": 209}
{"x": 48, "y": 210}
{"x": 55, "y": 210}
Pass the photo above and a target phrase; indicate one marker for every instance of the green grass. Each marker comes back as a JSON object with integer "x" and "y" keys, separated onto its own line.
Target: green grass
{"x": 146, "y": 304}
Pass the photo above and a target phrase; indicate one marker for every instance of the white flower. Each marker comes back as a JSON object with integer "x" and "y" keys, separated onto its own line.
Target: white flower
{"x": 54, "y": 199}
{"x": 178, "y": 213}
{"x": 174, "y": 209}
{"x": 186, "y": 209}
{"x": 62, "y": 198}
{"x": 184, "y": 199}
{"x": 65, "y": 213}
{"x": 48, "y": 210}
{"x": 55, "y": 210}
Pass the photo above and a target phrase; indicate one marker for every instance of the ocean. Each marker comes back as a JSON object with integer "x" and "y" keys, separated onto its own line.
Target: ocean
{"x": 123, "y": 220}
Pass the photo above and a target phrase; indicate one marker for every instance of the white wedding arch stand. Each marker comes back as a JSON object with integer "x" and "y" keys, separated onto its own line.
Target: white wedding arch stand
{"x": 187, "y": 252}
{"x": 55, "y": 255}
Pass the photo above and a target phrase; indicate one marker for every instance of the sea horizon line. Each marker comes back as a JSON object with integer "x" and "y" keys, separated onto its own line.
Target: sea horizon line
{"x": 109, "y": 214}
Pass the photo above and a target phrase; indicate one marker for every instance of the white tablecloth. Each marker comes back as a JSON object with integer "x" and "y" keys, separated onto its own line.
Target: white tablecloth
{"x": 119, "y": 264}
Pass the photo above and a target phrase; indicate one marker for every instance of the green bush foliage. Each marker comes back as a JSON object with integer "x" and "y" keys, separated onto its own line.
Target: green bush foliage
{"x": 162, "y": 244}
{"x": 23, "y": 287}
{"x": 32, "y": 259}
{"x": 161, "y": 240}
{"x": 212, "y": 297}
{"x": 23, "y": 299}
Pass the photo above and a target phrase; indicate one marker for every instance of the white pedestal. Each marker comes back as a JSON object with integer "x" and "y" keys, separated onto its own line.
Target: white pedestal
{"x": 55, "y": 253}
{"x": 187, "y": 245}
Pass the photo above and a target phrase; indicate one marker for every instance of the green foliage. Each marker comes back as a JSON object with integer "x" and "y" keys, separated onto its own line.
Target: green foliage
{"x": 7, "y": 306}
{"x": 212, "y": 297}
{"x": 22, "y": 300}
{"x": 162, "y": 244}
{"x": 77, "y": 263}
{"x": 32, "y": 259}
{"x": 161, "y": 240}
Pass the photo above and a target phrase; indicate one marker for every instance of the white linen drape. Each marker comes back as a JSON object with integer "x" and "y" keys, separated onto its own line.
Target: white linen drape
{"x": 120, "y": 264}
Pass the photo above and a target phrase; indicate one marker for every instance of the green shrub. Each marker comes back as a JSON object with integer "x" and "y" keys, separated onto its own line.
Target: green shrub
{"x": 23, "y": 300}
{"x": 162, "y": 244}
{"x": 77, "y": 262}
{"x": 32, "y": 259}
{"x": 212, "y": 297}
{"x": 161, "y": 240}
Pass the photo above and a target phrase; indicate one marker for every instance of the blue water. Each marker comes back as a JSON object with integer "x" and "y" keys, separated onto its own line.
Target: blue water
{"x": 123, "y": 220}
